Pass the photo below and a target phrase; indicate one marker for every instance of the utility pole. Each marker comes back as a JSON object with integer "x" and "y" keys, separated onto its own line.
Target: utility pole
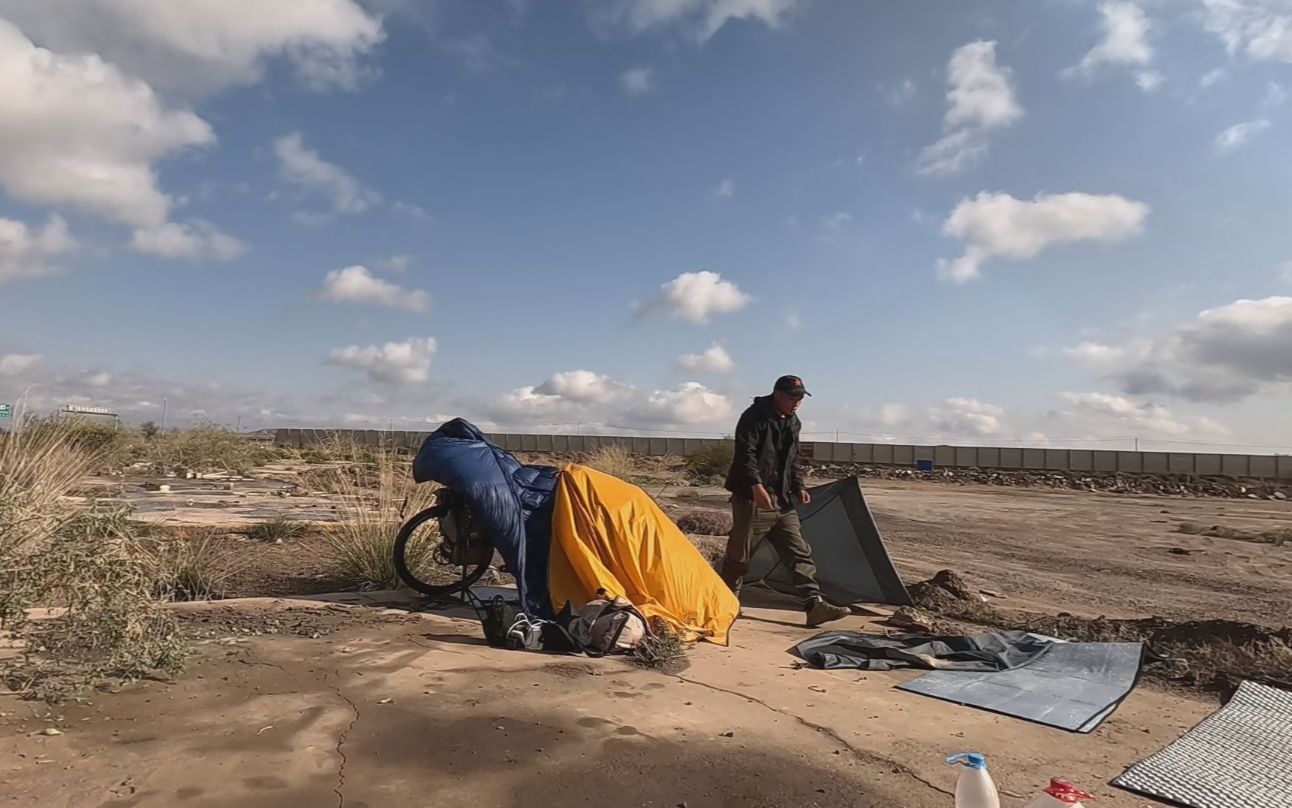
{"x": 163, "y": 428}
{"x": 239, "y": 424}
{"x": 1137, "y": 443}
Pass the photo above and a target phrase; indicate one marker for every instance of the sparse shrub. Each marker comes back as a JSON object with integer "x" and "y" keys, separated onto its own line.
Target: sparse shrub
{"x": 373, "y": 501}
{"x": 711, "y": 463}
{"x": 88, "y": 564}
{"x": 705, "y": 523}
{"x": 615, "y": 460}
{"x": 149, "y": 430}
{"x": 195, "y": 567}
{"x": 1191, "y": 528}
{"x": 279, "y": 528}
{"x": 110, "y": 446}
{"x": 207, "y": 447}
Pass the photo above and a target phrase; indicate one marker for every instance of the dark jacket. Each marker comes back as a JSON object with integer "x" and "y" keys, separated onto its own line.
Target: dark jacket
{"x": 767, "y": 452}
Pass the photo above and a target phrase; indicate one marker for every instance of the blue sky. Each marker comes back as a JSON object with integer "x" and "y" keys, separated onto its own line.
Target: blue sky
{"x": 957, "y": 221}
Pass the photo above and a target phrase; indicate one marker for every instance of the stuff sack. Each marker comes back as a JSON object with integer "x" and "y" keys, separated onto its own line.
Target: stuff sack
{"x": 604, "y": 626}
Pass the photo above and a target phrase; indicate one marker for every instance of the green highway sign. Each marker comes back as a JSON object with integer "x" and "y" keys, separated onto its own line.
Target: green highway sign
{"x": 6, "y": 411}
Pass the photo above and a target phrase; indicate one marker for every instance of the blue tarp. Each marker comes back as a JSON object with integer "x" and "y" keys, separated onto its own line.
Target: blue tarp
{"x": 511, "y": 503}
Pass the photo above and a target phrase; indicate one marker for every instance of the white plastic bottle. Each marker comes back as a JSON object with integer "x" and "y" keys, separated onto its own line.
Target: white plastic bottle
{"x": 975, "y": 788}
{"x": 1060, "y": 794}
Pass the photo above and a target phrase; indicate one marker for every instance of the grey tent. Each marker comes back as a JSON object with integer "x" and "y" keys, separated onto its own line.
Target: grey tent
{"x": 852, "y": 564}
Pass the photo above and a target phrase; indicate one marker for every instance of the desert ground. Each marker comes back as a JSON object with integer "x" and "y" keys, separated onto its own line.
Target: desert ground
{"x": 301, "y": 694}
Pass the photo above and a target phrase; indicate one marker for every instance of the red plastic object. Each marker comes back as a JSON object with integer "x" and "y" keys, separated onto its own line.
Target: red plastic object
{"x": 1065, "y": 792}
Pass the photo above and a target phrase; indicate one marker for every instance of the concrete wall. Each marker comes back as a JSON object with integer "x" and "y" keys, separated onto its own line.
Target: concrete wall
{"x": 1008, "y": 458}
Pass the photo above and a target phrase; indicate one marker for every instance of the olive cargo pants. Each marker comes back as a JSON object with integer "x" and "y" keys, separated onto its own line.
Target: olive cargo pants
{"x": 749, "y": 527}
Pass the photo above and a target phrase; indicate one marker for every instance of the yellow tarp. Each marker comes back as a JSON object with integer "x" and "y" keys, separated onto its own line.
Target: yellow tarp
{"x": 609, "y": 534}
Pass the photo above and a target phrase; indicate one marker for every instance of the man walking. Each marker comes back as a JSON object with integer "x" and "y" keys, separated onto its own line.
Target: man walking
{"x": 766, "y": 482}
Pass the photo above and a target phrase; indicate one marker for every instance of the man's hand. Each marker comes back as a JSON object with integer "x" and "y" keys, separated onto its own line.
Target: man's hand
{"x": 805, "y": 498}
{"x": 762, "y": 499}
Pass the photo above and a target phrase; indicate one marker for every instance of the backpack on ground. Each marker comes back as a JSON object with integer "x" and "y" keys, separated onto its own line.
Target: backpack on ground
{"x": 604, "y": 626}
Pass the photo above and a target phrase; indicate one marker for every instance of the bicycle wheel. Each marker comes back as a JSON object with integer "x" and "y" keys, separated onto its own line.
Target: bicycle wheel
{"x": 418, "y": 560}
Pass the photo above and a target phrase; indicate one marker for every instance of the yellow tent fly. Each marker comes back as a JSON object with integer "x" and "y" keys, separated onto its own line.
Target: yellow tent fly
{"x": 609, "y": 534}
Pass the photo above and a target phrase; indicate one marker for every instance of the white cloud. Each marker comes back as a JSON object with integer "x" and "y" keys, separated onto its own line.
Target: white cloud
{"x": 415, "y": 212}
{"x": 1224, "y": 354}
{"x": 725, "y": 189}
{"x": 407, "y": 362}
{"x": 1149, "y": 80}
{"x": 199, "y": 46}
{"x": 835, "y": 220}
{"x": 1275, "y": 95}
{"x": 968, "y": 416}
{"x": 697, "y": 296}
{"x": 982, "y": 93}
{"x": 899, "y": 92}
{"x": 195, "y": 241}
{"x": 18, "y": 364}
{"x": 356, "y": 284}
{"x": 1099, "y": 413}
{"x": 689, "y": 404}
{"x": 1125, "y": 40}
{"x": 75, "y": 131}
{"x": 100, "y": 379}
{"x": 27, "y": 252}
{"x": 957, "y": 417}
{"x": 399, "y": 262}
{"x": 1096, "y": 354}
{"x": 952, "y": 153}
{"x": 304, "y": 168}
{"x": 1212, "y": 77}
{"x": 1262, "y": 29}
{"x": 583, "y": 387}
{"x": 1237, "y": 135}
{"x": 998, "y": 225}
{"x": 793, "y": 320}
{"x": 637, "y": 80}
{"x": 1285, "y": 272}
{"x": 703, "y": 18}
{"x": 714, "y": 359}
{"x": 980, "y": 99}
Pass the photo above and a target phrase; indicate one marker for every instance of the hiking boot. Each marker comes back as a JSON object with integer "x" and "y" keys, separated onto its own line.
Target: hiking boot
{"x": 821, "y": 611}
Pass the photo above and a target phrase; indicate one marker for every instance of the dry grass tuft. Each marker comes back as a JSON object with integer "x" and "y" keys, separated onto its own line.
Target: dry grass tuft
{"x": 617, "y": 461}
{"x": 198, "y": 566}
{"x": 279, "y": 528}
{"x": 373, "y": 501}
{"x": 709, "y": 466}
{"x": 663, "y": 650}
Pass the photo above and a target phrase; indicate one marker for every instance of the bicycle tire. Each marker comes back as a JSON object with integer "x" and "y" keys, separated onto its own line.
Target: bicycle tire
{"x": 470, "y": 574}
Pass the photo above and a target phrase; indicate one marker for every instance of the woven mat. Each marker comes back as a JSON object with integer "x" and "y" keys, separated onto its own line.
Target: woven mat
{"x": 1240, "y": 757}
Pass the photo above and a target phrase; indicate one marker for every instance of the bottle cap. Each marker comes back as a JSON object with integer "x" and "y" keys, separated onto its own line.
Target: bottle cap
{"x": 973, "y": 760}
{"x": 1065, "y": 792}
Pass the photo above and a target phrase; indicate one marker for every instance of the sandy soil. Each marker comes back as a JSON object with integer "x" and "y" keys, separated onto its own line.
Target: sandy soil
{"x": 380, "y": 708}
{"x": 355, "y": 704}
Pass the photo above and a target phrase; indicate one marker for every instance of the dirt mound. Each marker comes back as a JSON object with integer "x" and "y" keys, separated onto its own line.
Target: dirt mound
{"x": 945, "y": 593}
{"x": 705, "y": 523}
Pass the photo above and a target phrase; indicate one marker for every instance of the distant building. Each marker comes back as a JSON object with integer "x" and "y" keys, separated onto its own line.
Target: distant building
{"x": 77, "y": 412}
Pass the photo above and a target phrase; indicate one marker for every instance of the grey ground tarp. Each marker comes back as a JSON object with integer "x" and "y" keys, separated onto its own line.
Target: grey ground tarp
{"x": 851, "y": 562}
{"x": 1237, "y": 758}
{"x": 1070, "y": 685}
{"x": 976, "y": 652}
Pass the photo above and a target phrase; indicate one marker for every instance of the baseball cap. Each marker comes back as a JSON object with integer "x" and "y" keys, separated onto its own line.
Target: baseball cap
{"x": 792, "y": 385}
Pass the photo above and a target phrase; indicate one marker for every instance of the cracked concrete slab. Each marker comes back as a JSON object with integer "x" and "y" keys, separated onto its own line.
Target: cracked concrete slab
{"x": 389, "y": 709}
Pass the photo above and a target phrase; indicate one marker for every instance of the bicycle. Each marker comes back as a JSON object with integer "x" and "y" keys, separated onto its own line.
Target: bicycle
{"x": 439, "y": 551}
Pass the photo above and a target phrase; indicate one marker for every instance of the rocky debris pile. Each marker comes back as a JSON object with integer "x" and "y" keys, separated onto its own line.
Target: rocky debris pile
{"x": 1115, "y": 483}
